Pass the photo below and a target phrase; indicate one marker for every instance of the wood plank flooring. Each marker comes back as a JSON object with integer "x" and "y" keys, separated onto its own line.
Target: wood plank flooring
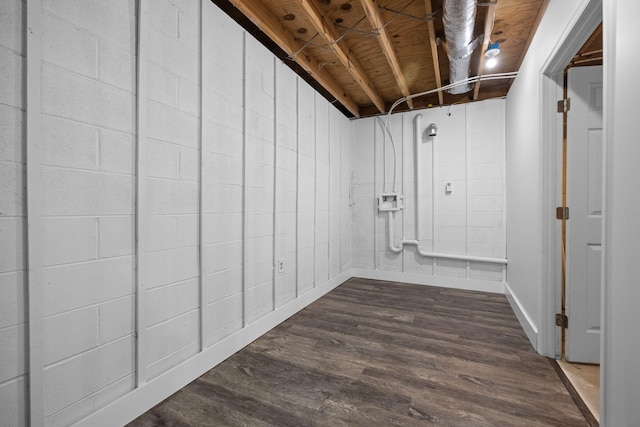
{"x": 374, "y": 353}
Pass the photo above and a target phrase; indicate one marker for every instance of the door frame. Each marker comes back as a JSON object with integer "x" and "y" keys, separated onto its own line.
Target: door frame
{"x": 583, "y": 23}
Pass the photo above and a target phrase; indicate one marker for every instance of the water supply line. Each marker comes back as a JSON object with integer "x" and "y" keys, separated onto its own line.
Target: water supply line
{"x": 417, "y": 188}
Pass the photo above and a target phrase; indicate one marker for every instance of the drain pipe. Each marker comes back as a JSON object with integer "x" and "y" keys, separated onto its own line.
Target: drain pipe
{"x": 459, "y": 18}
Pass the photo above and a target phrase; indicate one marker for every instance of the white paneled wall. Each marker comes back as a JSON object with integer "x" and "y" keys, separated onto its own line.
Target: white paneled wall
{"x": 469, "y": 153}
{"x": 160, "y": 250}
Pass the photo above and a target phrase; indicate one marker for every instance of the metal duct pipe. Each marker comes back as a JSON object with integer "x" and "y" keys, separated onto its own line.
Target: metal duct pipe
{"x": 459, "y": 19}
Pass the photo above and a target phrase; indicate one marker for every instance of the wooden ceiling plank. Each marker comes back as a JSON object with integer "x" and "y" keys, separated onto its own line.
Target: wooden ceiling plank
{"x": 260, "y": 16}
{"x": 434, "y": 49}
{"x": 488, "y": 27}
{"x": 375, "y": 18}
{"x": 329, "y": 32}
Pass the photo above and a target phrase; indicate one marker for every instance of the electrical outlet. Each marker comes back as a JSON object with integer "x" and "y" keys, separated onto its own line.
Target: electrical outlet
{"x": 280, "y": 266}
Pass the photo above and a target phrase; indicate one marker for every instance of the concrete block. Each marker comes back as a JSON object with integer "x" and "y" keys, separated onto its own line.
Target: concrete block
{"x": 259, "y": 175}
{"x": 68, "y": 240}
{"x": 222, "y": 169}
{"x": 171, "y": 336}
{"x": 78, "y": 285}
{"x": 162, "y": 85}
{"x": 259, "y": 301}
{"x": 12, "y": 303}
{"x": 162, "y": 159}
{"x": 287, "y": 136}
{"x": 225, "y": 316}
{"x": 171, "y": 125}
{"x": 68, "y": 192}
{"x": 189, "y": 97}
{"x": 177, "y": 357}
{"x": 117, "y": 66}
{"x": 305, "y": 278}
{"x": 11, "y": 22}
{"x": 12, "y": 244}
{"x": 78, "y": 98}
{"x": 228, "y": 198}
{"x": 12, "y": 401}
{"x": 188, "y": 230}
{"x": 224, "y": 227}
{"x": 85, "y": 406}
{"x": 171, "y": 197}
{"x": 259, "y": 272}
{"x": 259, "y": 150}
{"x": 307, "y": 202}
{"x": 12, "y": 146}
{"x": 81, "y": 376}
{"x": 68, "y": 143}
{"x": 116, "y": 236}
{"x": 286, "y": 201}
{"x": 163, "y": 16}
{"x": 69, "y": 47}
{"x": 486, "y": 203}
{"x": 287, "y": 181}
{"x": 165, "y": 267}
{"x": 224, "y": 110}
{"x": 117, "y": 152}
{"x": 69, "y": 334}
{"x": 160, "y": 232}
{"x": 223, "y": 139}
{"x": 285, "y": 289}
{"x": 486, "y": 171}
{"x": 101, "y": 18}
{"x": 224, "y": 284}
{"x": 173, "y": 55}
{"x": 260, "y": 249}
{"x": 167, "y": 302}
{"x": 116, "y": 319}
{"x": 486, "y": 187}
{"x": 288, "y": 160}
{"x": 260, "y": 224}
{"x": 11, "y": 66}
{"x": 12, "y": 352}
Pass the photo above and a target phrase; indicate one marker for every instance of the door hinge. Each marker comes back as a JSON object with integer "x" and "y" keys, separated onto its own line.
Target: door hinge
{"x": 562, "y": 212}
{"x": 562, "y": 320}
{"x": 564, "y": 105}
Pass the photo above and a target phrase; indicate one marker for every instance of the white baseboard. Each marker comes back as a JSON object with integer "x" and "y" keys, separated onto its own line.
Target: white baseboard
{"x": 140, "y": 400}
{"x": 525, "y": 321}
{"x": 421, "y": 279}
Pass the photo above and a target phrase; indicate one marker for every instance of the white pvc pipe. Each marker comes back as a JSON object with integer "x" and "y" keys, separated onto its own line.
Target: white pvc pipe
{"x": 434, "y": 196}
{"x": 417, "y": 186}
{"x": 417, "y": 152}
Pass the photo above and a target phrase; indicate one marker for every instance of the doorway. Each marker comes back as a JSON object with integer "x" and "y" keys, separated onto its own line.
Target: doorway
{"x": 581, "y": 221}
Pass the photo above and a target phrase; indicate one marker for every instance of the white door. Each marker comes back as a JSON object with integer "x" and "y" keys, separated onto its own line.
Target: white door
{"x": 584, "y": 198}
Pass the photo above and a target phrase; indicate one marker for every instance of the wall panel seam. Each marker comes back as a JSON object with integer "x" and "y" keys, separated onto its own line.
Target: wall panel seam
{"x": 33, "y": 134}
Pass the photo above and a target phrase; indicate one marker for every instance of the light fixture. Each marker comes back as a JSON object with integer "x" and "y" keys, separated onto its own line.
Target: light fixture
{"x": 492, "y": 51}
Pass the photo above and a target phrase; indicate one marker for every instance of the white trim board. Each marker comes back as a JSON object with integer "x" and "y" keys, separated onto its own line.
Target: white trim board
{"x": 151, "y": 393}
{"x": 525, "y": 321}
{"x": 440, "y": 281}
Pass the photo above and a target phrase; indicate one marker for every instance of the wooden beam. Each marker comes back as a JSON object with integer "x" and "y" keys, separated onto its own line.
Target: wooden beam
{"x": 488, "y": 27}
{"x": 375, "y": 18}
{"x": 329, "y": 32}
{"x": 260, "y": 16}
{"x": 434, "y": 49}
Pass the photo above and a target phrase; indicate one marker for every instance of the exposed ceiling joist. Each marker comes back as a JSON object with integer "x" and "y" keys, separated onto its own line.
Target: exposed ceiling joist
{"x": 375, "y": 18}
{"x": 329, "y": 32}
{"x": 488, "y": 27}
{"x": 434, "y": 49}
{"x": 260, "y": 16}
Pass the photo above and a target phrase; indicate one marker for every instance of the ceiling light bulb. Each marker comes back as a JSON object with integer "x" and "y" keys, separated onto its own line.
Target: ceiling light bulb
{"x": 491, "y": 62}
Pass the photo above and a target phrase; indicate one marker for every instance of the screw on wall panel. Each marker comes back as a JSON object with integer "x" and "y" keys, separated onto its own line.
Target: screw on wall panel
{"x": 280, "y": 266}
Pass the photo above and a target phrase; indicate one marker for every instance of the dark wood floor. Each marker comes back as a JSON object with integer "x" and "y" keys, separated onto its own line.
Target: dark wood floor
{"x": 376, "y": 353}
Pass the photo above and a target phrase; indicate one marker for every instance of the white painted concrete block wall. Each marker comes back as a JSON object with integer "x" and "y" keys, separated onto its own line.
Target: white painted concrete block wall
{"x": 88, "y": 201}
{"x": 12, "y": 213}
{"x": 469, "y": 221}
{"x": 238, "y": 194}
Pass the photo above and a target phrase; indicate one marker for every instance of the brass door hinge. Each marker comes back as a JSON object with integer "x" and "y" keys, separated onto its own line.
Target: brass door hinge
{"x": 562, "y": 320}
{"x": 564, "y": 105}
{"x": 562, "y": 212}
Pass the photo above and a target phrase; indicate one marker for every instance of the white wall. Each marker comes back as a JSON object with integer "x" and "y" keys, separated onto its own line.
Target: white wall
{"x": 620, "y": 378}
{"x": 268, "y": 180}
{"x": 530, "y": 200}
{"x": 469, "y": 221}
{"x": 12, "y": 213}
